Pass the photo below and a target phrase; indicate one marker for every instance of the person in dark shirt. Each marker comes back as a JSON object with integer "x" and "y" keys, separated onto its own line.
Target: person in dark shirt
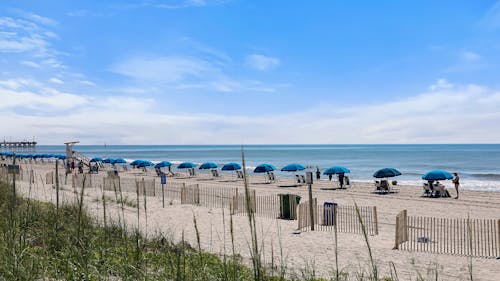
{"x": 341, "y": 180}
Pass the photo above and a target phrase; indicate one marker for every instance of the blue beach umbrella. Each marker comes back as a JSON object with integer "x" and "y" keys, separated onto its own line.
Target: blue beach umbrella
{"x": 163, "y": 164}
{"x": 186, "y": 165}
{"x": 437, "y": 175}
{"x": 108, "y": 160}
{"x": 263, "y": 168}
{"x": 119, "y": 161}
{"x": 61, "y": 157}
{"x": 293, "y": 168}
{"x": 96, "y": 159}
{"x": 386, "y": 173}
{"x": 208, "y": 165}
{"x": 136, "y": 162}
{"x": 145, "y": 163}
{"x": 231, "y": 167}
{"x": 336, "y": 170}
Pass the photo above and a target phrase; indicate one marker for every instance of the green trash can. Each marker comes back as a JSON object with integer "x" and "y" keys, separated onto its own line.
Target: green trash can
{"x": 288, "y": 206}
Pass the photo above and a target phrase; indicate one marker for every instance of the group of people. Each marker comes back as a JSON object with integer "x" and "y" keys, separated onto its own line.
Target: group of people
{"x": 438, "y": 187}
{"x": 71, "y": 166}
{"x": 343, "y": 179}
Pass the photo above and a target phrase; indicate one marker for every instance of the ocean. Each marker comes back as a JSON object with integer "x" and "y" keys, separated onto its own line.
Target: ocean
{"x": 477, "y": 164}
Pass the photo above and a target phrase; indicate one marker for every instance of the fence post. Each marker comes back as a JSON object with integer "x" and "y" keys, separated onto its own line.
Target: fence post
{"x": 311, "y": 206}
{"x": 396, "y": 235}
{"x": 401, "y": 232}
{"x": 498, "y": 244}
{"x": 405, "y": 226}
{"x": 183, "y": 193}
{"x": 154, "y": 188}
{"x": 375, "y": 219}
{"x": 254, "y": 202}
{"x": 235, "y": 203}
{"x": 197, "y": 194}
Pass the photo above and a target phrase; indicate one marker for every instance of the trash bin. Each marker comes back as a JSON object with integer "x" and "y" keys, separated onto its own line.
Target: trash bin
{"x": 329, "y": 209}
{"x": 288, "y": 206}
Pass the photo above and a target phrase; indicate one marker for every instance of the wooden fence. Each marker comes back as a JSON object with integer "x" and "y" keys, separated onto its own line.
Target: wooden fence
{"x": 344, "y": 218}
{"x": 6, "y": 176}
{"x": 77, "y": 180}
{"x": 467, "y": 237}
{"x": 145, "y": 187}
{"x": 207, "y": 196}
{"x": 112, "y": 184}
{"x": 268, "y": 206}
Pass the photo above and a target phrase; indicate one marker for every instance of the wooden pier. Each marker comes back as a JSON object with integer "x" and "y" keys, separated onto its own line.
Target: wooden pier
{"x": 18, "y": 145}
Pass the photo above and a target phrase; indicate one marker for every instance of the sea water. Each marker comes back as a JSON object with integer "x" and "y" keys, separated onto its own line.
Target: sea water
{"x": 477, "y": 164}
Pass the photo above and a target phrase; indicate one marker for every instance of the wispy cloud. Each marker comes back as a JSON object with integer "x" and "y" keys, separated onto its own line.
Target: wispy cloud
{"x": 466, "y": 61}
{"x": 56, "y": 80}
{"x": 164, "y": 68}
{"x": 491, "y": 20}
{"x": 182, "y": 72}
{"x": 30, "y": 37}
{"x": 261, "y": 62}
{"x": 470, "y": 56}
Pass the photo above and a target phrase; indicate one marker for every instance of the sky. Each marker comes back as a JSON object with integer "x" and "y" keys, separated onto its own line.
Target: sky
{"x": 250, "y": 72}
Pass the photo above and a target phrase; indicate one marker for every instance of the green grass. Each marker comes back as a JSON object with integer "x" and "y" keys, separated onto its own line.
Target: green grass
{"x": 39, "y": 244}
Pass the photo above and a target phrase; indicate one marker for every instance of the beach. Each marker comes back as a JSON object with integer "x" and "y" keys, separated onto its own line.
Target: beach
{"x": 301, "y": 253}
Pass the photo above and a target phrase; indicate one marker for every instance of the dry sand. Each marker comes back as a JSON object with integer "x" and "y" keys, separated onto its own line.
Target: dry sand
{"x": 308, "y": 250}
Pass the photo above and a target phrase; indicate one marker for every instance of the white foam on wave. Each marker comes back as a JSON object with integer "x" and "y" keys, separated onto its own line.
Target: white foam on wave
{"x": 464, "y": 184}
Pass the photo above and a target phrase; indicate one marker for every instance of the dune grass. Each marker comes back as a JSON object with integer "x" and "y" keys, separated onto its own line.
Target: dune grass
{"x": 40, "y": 242}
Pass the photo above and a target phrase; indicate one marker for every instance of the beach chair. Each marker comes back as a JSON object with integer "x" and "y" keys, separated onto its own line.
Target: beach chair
{"x": 393, "y": 187}
{"x": 382, "y": 186}
{"x": 297, "y": 178}
{"x": 440, "y": 190}
{"x": 302, "y": 179}
{"x": 270, "y": 177}
{"x": 215, "y": 173}
{"x": 427, "y": 190}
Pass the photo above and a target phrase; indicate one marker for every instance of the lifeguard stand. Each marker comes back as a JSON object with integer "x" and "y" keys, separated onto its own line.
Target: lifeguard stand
{"x": 70, "y": 153}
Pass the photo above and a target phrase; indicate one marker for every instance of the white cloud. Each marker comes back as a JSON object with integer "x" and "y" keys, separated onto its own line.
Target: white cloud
{"x": 441, "y": 84}
{"x": 56, "y": 80}
{"x": 186, "y": 72}
{"x": 261, "y": 62}
{"x": 31, "y": 64}
{"x": 180, "y": 4}
{"x": 447, "y": 114}
{"x": 470, "y": 56}
{"x": 467, "y": 61}
{"x": 40, "y": 19}
{"x": 27, "y": 94}
{"x": 29, "y": 37}
{"x": 166, "y": 69}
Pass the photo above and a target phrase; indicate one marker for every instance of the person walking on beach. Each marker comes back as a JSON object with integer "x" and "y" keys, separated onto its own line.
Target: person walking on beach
{"x": 330, "y": 177}
{"x": 318, "y": 173}
{"x": 341, "y": 180}
{"x": 456, "y": 181}
{"x": 80, "y": 167}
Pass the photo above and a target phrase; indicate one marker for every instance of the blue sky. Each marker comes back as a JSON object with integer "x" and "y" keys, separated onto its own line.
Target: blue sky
{"x": 235, "y": 71}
